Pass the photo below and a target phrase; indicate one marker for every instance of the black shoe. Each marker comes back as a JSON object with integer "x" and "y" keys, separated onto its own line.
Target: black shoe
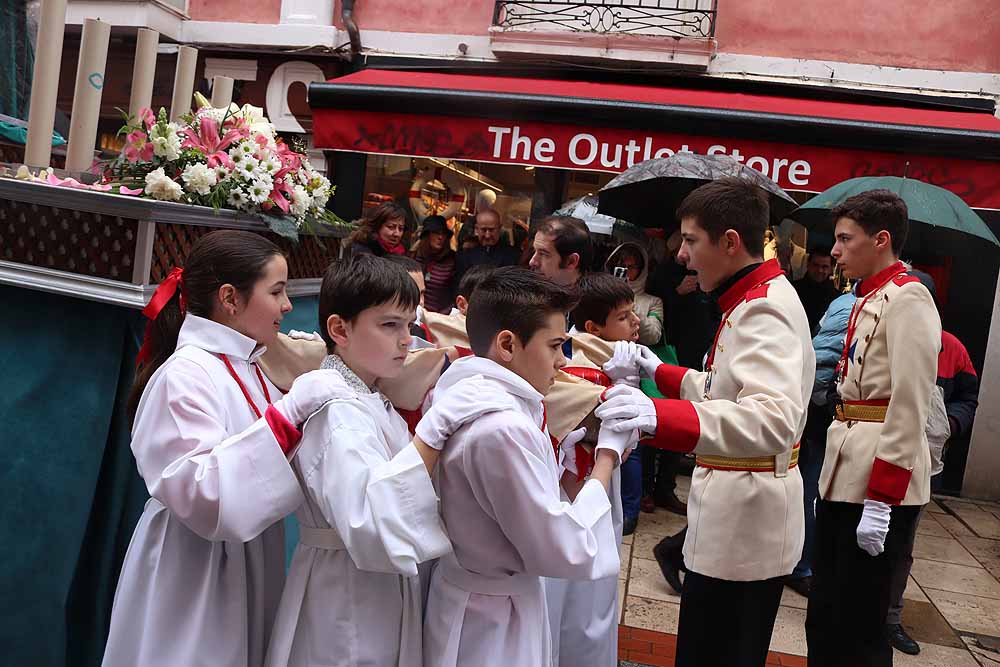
{"x": 801, "y": 585}
{"x": 902, "y": 641}
{"x": 671, "y": 562}
{"x": 629, "y": 524}
{"x": 672, "y": 503}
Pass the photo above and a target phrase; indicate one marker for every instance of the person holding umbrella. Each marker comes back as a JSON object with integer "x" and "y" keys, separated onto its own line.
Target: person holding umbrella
{"x": 743, "y": 417}
{"x": 876, "y": 469}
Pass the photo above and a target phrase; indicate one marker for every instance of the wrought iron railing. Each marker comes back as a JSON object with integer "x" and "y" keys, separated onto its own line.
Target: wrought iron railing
{"x": 668, "y": 18}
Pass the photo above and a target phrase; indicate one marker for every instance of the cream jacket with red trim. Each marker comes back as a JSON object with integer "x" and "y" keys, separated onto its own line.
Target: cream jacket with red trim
{"x": 744, "y": 526}
{"x": 895, "y": 356}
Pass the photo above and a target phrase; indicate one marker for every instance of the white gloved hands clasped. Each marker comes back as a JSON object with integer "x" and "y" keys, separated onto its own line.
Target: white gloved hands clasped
{"x": 648, "y": 362}
{"x": 873, "y": 527}
{"x": 309, "y": 392}
{"x": 623, "y": 367}
{"x": 627, "y": 408}
{"x": 567, "y": 449}
{"x": 620, "y": 442}
{"x": 460, "y": 404}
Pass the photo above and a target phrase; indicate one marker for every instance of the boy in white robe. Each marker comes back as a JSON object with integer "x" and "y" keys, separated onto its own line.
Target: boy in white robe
{"x": 499, "y": 484}
{"x": 370, "y": 514}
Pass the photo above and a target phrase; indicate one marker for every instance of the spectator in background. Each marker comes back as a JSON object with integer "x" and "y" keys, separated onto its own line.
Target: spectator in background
{"x": 381, "y": 232}
{"x": 491, "y": 250}
{"x": 815, "y": 289}
{"x": 633, "y": 259}
{"x": 435, "y": 255}
{"x": 562, "y": 249}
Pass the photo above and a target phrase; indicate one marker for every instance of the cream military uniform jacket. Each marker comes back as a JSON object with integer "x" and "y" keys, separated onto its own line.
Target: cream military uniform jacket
{"x": 891, "y": 358}
{"x": 743, "y": 416}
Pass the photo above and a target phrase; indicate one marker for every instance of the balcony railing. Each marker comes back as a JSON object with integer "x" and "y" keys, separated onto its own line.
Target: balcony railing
{"x": 667, "y": 18}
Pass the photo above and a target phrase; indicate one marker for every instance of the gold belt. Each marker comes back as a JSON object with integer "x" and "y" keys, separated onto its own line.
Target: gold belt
{"x": 861, "y": 411}
{"x": 745, "y": 464}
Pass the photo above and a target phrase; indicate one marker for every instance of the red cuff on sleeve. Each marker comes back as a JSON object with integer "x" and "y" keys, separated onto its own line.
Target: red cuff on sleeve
{"x": 888, "y": 482}
{"x": 284, "y": 431}
{"x": 677, "y": 426}
{"x": 668, "y": 379}
{"x": 584, "y": 462}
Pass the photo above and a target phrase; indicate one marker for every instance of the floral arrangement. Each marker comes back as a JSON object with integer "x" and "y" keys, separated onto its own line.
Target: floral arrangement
{"x": 224, "y": 158}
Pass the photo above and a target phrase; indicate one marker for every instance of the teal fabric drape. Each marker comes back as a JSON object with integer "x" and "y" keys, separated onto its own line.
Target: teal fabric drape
{"x": 72, "y": 491}
{"x": 73, "y": 495}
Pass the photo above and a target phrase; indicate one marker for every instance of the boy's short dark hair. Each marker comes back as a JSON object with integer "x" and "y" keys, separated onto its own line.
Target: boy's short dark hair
{"x": 600, "y": 293}
{"x": 570, "y": 235}
{"x": 365, "y": 281}
{"x": 729, "y": 203}
{"x": 874, "y": 211}
{"x": 471, "y": 279}
{"x": 516, "y": 299}
{"x": 409, "y": 264}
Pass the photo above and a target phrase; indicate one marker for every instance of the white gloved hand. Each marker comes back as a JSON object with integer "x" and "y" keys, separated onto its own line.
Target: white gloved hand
{"x": 628, "y": 409}
{"x": 567, "y": 449}
{"x": 309, "y": 392}
{"x": 460, "y": 404}
{"x": 619, "y": 442}
{"x": 623, "y": 366}
{"x": 648, "y": 361}
{"x": 873, "y": 527}
{"x": 419, "y": 318}
{"x": 295, "y": 334}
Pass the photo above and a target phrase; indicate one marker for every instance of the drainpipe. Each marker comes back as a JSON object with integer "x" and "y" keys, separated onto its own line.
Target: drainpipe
{"x": 347, "y": 15}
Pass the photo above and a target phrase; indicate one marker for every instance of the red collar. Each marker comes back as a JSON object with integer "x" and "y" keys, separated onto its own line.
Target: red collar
{"x": 766, "y": 271}
{"x": 879, "y": 280}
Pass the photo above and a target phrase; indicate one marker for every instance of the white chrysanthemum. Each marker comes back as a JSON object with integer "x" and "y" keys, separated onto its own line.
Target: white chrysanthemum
{"x": 301, "y": 201}
{"x": 238, "y": 199}
{"x": 270, "y": 165}
{"x": 246, "y": 171}
{"x": 258, "y": 192}
{"x": 161, "y": 186}
{"x": 199, "y": 178}
{"x": 264, "y": 181}
{"x": 221, "y": 173}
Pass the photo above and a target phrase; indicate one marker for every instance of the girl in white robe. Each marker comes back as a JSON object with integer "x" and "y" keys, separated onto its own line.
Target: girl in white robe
{"x": 201, "y": 581}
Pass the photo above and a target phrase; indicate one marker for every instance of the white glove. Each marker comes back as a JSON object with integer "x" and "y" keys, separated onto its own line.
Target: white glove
{"x": 627, "y": 408}
{"x": 460, "y": 404}
{"x": 648, "y": 361}
{"x": 567, "y": 449}
{"x": 309, "y": 392}
{"x": 419, "y": 318}
{"x": 619, "y": 442}
{"x": 623, "y": 367}
{"x": 295, "y": 334}
{"x": 873, "y": 527}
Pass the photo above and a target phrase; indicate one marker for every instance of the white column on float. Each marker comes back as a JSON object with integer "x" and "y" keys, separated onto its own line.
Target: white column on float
{"x": 45, "y": 83}
{"x": 187, "y": 63}
{"x": 222, "y": 91}
{"x": 87, "y": 95}
{"x": 143, "y": 71}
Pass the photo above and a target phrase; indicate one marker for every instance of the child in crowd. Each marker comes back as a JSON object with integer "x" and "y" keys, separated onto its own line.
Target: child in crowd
{"x": 470, "y": 281}
{"x": 203, "y": 573}
{"x": 499, "y": 482}
{"x": 583, "y": 615}
{"x": 417, "y": 328}
{"x": 370, "y": 514}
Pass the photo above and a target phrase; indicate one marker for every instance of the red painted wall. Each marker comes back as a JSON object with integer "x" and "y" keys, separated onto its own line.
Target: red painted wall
{"x": 236, "y": 11}
{"x": 951, "y": 35}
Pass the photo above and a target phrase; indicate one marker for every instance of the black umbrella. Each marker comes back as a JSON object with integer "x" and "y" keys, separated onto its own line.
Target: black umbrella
{"x": 648, "y": 193}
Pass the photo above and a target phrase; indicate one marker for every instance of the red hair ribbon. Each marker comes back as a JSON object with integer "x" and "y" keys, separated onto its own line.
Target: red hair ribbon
{"x": 163, "y": 294}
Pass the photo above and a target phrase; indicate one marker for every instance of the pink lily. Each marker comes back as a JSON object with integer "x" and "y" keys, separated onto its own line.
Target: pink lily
{"x": 138, "y": 147}
{"x": 210, "y": 143}
{"x": 147, "y": 118}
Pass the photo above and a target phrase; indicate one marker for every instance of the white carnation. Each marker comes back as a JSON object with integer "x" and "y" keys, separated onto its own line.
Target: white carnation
{"x": 161, "y": 186}
{"x": 199, "y": 178}
{"x": 301, "y": 201}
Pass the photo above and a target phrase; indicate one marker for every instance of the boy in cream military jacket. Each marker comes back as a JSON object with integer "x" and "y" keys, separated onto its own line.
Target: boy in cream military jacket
{"x": 743, "y": 417}
{"x": 876, "y": 471}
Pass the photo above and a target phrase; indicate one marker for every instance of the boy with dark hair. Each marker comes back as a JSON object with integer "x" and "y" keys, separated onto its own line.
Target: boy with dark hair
{"x": 370, "y": 514}
{"x": 876, "y": 470}
{"x": 412, "y": 267}
{"x": 499, "y": 482}
{"x": 562, "y": 249}
{"x": 605, "y": 308}
{"x": 467, "y": 285}
{"x": 743, "y": 417}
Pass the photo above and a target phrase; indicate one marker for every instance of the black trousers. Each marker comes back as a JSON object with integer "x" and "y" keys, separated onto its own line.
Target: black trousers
{"x": 726, "y": 623}
{"x": 659, "y": 472}
{"x": 850, "y": 595}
